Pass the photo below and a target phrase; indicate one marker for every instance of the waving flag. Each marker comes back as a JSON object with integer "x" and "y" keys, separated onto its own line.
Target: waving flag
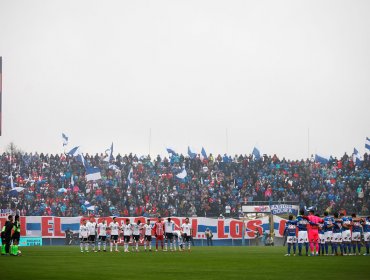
{"x": 130, "y": 177}
{"x": 15, "y": 191}
{"x": 114, "y": 167}
{"x": 182, "y": 174}
{"x": 92, "y": 174}
{"x": 74, "y": 152}
{"x": 65, "y": 140}
{"x": 203, "y": 153}
{"x": 171, "y": 151}
{"x": 109, "y": 151}
{"x": 356, "y": 157}
{"x": 11, "y": 180}
{"x": 367, "y": 143}
{"x": 256, "y": 153}
{"x": 321, "y": 159}
{"x": 191, "y": 154}
{"x": 89, "y": 206}
{"x": 81, "y": 159}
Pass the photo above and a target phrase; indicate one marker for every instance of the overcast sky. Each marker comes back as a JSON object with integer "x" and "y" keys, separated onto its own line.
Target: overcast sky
{"x": 226, "y": 75}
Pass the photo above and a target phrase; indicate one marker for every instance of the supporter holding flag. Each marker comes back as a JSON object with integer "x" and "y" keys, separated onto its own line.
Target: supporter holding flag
{"x": 203, "y": 154}
{"x": 256, "y": 153}
{"x": 356, "y": 157}
{"x": 191, "y": 154}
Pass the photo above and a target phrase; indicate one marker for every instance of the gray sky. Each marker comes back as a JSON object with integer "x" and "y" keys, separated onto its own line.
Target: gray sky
{"x": 103, "y": 71}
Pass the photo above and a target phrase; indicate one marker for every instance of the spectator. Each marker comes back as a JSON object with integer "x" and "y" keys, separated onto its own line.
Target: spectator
{"x": 56, "y": 184}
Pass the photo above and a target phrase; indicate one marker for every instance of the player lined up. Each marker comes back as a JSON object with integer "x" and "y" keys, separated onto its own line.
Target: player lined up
{"x": 339, "y": 232}
{"x": 165, "y": 232}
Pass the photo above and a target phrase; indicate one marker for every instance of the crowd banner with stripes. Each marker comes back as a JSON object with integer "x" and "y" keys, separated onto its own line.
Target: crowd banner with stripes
{"x": 279, "y": 226}
{"x": 55, "y": 227}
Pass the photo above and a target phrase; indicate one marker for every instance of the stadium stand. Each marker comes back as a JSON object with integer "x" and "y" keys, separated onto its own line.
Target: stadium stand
{"x": 56, "y": 184}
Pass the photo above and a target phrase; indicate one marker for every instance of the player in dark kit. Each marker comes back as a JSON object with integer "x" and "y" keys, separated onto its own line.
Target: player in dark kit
{"x": 7, "y": 233}
{"x": 16, "y": 236}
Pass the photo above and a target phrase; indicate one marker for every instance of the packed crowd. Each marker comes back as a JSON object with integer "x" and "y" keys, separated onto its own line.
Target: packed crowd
{"x": 212, "y": 184}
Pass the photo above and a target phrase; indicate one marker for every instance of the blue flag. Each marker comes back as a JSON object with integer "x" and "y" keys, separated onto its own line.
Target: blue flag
{"x": 171, "y": 151}
{"x": 367, "y": 143}
{"x": 92, "y": 174}
{"x": 321, "y": 159}
{"x": 356, "y": 157}
{"x": 256, "y": 153}
{"x": 74, "y": 152}
{"x": 191, "y": 154}
{"x": 203, "y": 153}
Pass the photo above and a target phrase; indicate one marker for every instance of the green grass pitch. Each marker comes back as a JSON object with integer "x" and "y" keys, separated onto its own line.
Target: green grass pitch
{"x": 68, "y": 263}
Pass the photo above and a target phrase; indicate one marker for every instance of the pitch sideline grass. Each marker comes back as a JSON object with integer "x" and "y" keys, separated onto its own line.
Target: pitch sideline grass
{"x": 68, "y": 263}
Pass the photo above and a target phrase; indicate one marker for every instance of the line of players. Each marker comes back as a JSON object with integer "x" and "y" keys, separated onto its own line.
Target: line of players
{"x": 165, "y": 232}
{"x": 339, "y": 231}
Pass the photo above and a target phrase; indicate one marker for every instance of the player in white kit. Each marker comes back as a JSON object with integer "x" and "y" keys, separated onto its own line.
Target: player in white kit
{"x": 136, "y": 235}
{"x": 102, "y": 231}
{"x": 169, "y": 227}
{"x": 92, "y": 233}
{"x": 84, "y": 233}
{"x": 177, "y": 238}
{"x": 127, "y": 232}
{"x": 148, "y": 235}
{"x": 114, "y": 231}
{"x": 186, "y": 233}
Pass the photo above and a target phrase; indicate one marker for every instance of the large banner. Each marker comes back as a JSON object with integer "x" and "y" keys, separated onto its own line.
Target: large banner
{"x": 284, "y": 209}
{"x": 279, "y": 226}
{"x": 256, "y": 209}
{"x": 55, "y": 227}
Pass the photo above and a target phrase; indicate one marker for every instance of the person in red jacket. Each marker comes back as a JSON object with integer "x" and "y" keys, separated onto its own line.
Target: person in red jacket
{"x": 159, "y": 232}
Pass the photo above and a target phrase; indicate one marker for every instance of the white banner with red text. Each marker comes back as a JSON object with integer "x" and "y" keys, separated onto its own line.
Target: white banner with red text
{"x": 55, "y": 227}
